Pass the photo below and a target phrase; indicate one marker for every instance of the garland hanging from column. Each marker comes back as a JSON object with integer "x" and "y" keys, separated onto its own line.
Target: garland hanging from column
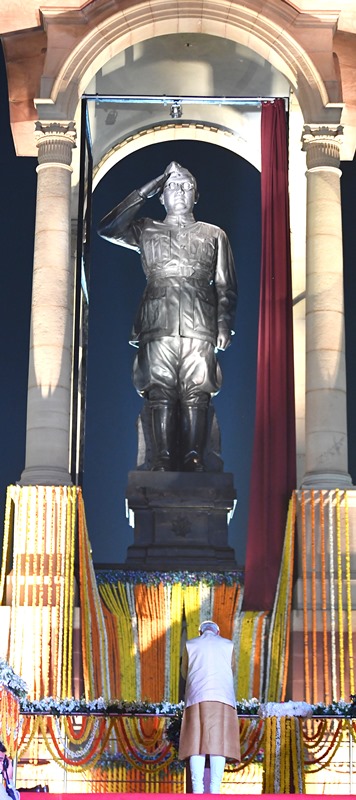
{"x": 283, "y": 766}
{"x": 326, "y": 553}
{"x": 40, "y": 524}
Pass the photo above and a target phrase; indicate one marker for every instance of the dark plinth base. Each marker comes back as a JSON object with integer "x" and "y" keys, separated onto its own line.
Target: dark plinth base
{"x": 180, "y": 520}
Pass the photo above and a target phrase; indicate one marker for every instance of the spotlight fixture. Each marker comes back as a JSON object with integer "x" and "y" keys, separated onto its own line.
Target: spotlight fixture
{"x": 111, "y": 117}
{"x": 176, "y": 109}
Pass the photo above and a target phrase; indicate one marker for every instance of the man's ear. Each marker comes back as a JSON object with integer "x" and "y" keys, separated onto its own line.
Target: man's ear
{"x": 196, "y": 198}
{"x": 161, "y": 198}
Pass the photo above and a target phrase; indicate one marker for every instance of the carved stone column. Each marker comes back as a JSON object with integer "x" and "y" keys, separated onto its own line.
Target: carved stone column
{"x": 325, "y": 415}
{"x": 49, "y": 383}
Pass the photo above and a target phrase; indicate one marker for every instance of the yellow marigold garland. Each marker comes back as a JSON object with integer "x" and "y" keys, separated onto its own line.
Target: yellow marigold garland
{"x": 56, "y": 527}
{"x": 348, "y": 595}
{"x": 314, "y": 603}
{"x": 283, "y": 768}
{"x": 36, "y": 638}
{"x": 84, "y": 733}
{"x": 115, "y": 598}
{"x": 339, "y": 595}
{"x": 278, "y": 645}
{"x": 176, "y": 601}
{"x": 324, "y": 611}
{"x": 249, "y": 651}
{"x": 192, "y": 606}
{"x": 29, "y": 735}
{"x": 7, "y": 541}
{"x": 69, "y": 592}
{"x": 128, "y": 648}
{"x": 305, "y": 602}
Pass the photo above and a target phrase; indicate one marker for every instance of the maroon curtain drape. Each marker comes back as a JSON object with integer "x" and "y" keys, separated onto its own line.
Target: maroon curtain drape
{"x": 273, "y": 476}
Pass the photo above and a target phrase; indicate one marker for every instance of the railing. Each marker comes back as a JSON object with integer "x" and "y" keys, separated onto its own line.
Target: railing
{"x": 137, "y": 753}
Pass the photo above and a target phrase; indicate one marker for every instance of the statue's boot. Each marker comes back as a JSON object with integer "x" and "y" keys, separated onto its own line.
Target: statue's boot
{"x": 163, "y": 429}
{"x": 194, "y": 426}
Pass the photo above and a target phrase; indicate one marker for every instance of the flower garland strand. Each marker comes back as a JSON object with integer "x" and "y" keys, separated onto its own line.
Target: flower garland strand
{"x": 313, "y": 598}
{"x": 143, "y": 743}
{"x": 43, "y": 651}
{"x": 168, "y": 667}
{"x": 69, "y": 588}
{"x": 305, "y": 602}
{"x": 332, "y": 598}
{"x": 151, "y": 624}
{"x": 192, "y": 605}
{"x": 278, "y": 643}
{"x": 339, "y": 593}
{"x": 116, "y": 602}
{"x": 249, "y": 669}
{"x": 94, "y": 635}
{"x": 130, "y": 593}
{"x": 16, "y": 648}
{"x": 9, "y": 719}
{"x": 324, "y": 611}
{"x": 32, "y": 559}
{"x": 283, "y": 768}
{"x": 176, "y": 600}
{"x": 349, "y": 595}
{"x": 7, "y": 540}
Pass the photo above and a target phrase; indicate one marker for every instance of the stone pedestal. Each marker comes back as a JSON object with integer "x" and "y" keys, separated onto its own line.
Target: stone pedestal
{"x": 180, "y": 520}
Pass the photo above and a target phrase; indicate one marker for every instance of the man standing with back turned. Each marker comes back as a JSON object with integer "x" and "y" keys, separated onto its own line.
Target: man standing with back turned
{"x": 185, "y": 316}
{"x": 210, "y": 724}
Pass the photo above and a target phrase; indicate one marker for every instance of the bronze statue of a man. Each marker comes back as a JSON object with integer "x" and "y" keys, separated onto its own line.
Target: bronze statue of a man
{"x": 186, "y": 313}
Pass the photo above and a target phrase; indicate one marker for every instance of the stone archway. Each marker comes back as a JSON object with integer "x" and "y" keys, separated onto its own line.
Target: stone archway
{"x": 68, "y": 48}
{"x": 89, "y": 39}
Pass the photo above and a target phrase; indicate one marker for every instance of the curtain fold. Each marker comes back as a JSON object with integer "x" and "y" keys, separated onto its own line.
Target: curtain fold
{"x": 273, "y": 475}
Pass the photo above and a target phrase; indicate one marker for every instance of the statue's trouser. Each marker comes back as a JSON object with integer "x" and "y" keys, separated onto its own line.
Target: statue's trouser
{"x": 176, "y": 367}
{"x": 197, "y": 767}
{"x": 176, "y": 371}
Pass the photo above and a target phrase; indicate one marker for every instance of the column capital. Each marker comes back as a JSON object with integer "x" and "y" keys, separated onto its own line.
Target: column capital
{"x": 322, "y": 144}
{"x": 55, "y": 141}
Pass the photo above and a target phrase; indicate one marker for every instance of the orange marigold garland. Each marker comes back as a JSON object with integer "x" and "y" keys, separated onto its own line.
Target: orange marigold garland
{"x": 9, "y": 715}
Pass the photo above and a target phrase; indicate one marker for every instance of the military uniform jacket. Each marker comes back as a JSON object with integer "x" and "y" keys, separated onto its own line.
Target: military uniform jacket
{"x": 191, "y": 282}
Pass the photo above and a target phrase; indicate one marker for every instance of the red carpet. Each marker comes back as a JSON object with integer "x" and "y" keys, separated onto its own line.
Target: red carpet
{"x": 142, "y": 796}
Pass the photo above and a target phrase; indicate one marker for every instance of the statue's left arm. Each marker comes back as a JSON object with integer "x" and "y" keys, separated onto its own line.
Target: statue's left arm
{"x": 226, "y": 291}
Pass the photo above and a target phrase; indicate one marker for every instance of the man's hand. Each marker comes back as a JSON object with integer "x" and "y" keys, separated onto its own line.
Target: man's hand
{"x": 153, "y": 187}
{"x": 5, "y": 765}
{"x": 223, "y": 339}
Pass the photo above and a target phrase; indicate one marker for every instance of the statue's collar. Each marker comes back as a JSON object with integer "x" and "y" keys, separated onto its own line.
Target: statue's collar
{"x": 179, "y": 220}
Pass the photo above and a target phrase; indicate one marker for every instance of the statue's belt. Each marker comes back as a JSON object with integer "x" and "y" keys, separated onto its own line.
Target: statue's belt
{"x": 199, "y": 280}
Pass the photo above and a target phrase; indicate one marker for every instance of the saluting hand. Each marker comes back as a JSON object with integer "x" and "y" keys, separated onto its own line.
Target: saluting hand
{"x": 152, "y": 188}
